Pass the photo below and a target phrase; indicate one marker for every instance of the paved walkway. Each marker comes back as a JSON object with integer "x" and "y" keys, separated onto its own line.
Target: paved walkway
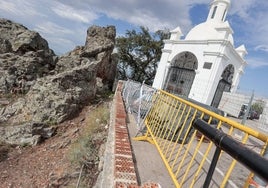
{"x": 150, "y": 167}
{"x": 120, "y": 169}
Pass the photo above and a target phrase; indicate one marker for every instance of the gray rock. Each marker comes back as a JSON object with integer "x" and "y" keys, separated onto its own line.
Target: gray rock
{"x": 55, "y": 88}
{"x": 20, "y": 38}
{"x": 102, "y": 40}
{"x": 24, "y": 57}
{"x": 5, "y": 46}
{"x": 55, "y": 98}
{"x": 26, "y": 134}
{"x": 99, "y": 46}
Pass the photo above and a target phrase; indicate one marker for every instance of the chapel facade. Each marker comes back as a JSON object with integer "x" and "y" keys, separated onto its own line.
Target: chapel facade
{"x": 205, "y": 63}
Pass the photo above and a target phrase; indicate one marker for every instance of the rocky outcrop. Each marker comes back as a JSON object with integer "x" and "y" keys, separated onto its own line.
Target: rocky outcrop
{"x": 54, "y": 99}
{"x": 24, "y": 57}
{"x": 55, "y": 88}
{"x": 19, "y": 39}
{"x": 99, "y": 46}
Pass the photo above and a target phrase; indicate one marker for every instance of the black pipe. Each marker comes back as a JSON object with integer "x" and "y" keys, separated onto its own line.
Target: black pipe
{"x": 252, "y": 160}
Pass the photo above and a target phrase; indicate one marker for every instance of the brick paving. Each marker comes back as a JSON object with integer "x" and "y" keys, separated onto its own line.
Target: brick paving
{"x": 124, "y": 171}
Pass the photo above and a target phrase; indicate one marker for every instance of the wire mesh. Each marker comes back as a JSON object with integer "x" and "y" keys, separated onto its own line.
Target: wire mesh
{"x": 138, "y": 98}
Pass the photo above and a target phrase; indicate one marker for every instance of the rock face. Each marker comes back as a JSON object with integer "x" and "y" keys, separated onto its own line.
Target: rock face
{"x": 24, "y": 57}
{"x": 27, "y": 133}
{"x": 98, "y": 47}
{"x": 54, "y": 88}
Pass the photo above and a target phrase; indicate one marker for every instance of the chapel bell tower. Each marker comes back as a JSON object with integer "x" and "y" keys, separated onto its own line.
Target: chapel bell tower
{"x": 218, "y": 10}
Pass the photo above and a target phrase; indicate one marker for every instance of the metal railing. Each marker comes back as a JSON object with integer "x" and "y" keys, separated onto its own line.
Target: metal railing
{"x": 244, "y": 155}
{"x": 186, "y": 152}
{"x": 138, "y": 100}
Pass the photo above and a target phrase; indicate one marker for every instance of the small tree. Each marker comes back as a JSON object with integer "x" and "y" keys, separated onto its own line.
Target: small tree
{"x": 139, "y": 54}
{"x": 258, "y": 107}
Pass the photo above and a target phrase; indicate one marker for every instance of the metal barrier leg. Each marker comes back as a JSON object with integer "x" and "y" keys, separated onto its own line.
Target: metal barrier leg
{"x": 212, "y": 167}
{"x": 146, "y": 137}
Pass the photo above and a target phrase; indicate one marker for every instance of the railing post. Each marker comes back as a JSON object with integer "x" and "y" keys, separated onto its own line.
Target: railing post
{"x": 248, "y": 109}
{"x": 212, "y": 167}
{"x": 140, "y": 103}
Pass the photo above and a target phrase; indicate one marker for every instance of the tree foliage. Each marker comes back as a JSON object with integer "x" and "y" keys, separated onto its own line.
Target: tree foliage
{"x": 258, "y": 107}
{"x": 139, "y": 53}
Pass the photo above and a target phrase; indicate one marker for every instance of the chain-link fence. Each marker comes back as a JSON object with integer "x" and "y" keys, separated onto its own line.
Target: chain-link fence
{"x": 138, "y": 100}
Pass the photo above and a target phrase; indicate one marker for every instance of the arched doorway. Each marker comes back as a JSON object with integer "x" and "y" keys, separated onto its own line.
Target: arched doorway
{"x": 224, "y": 85}
{"x": 181, "y": 74}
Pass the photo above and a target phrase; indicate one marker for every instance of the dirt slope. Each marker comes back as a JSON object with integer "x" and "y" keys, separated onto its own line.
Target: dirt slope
{"x": 47, "y": 164}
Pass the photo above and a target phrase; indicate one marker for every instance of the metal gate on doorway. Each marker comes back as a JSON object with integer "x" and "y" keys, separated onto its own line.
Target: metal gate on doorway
{"x": 224, "y": 85}
{"x": 179, "y": 81}
{"x": 181, "y": 74}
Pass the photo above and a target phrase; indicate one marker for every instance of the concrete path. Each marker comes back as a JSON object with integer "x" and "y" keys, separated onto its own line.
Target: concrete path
{"x": 149, "y": 165}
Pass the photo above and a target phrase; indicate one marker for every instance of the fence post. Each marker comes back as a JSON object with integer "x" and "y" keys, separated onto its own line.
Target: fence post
{"x": 238, "y": 133}
{"x": 212, "y": 167}
{"x": 248, "y": 109}
{"x": 140, "y": 102}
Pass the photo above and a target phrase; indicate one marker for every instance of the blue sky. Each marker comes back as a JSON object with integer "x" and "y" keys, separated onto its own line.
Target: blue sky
{"x": 63, "y": 23}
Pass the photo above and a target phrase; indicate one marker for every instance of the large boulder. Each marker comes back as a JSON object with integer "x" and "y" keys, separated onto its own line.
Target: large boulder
{"x": 19, "y": 39}
{"x": 56, "y": 88}
{"x": 55, "y": 98}
{"x": 24, "y": 57}
{"x": 99, "y": 46}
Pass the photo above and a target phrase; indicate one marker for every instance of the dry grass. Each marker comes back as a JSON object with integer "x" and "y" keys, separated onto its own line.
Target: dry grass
{"x": 84, "y": 153}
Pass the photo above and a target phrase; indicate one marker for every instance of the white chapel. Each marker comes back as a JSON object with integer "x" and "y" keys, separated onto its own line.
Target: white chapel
{"x": 205, "y": 63}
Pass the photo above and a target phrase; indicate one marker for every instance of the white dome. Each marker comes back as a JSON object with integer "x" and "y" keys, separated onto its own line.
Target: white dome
{"x": 211, "y": 31}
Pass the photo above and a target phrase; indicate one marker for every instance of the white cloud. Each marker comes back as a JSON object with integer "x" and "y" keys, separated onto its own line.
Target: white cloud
{"x": 60, "y": 44}
{"x": 251, "y": 21}
{"x": 61, "y": 39}
{"x": 52, "y": 28}
{"x": 71, "y": 13}
{"x": 261, "y": 48}
{"x": 154, "y": 14}
{"x": 62, "y": 26}
{"x": 241, "y": 8}
{"x": 9, "y": 7}
{"x": 66, "y": 18}
{"x": 20, "y": 8}
{"x": 257, "y": 62}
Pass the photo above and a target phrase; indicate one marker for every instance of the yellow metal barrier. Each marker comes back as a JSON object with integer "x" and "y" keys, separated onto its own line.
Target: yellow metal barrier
{"x": 186, "y": 153}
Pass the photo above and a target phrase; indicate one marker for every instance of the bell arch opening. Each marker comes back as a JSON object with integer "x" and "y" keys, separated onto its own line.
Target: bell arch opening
{"x": 224, "y": 85}
{"x": 181, "y": 74}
